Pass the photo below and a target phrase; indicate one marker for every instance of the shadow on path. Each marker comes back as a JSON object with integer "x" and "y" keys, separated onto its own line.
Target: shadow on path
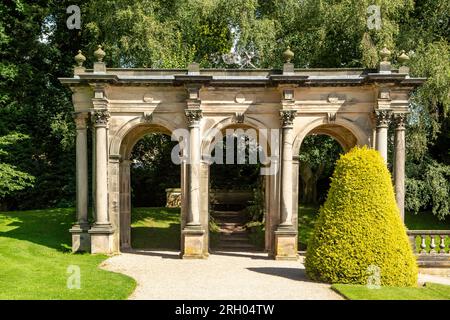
{"x": 297, "y": 274}
{"x": 167, "y": 254}
{"x": 259, "y": 255}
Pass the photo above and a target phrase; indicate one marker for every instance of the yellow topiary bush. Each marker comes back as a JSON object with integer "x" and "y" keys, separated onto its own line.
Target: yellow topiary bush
{"x": 359, "y": 233}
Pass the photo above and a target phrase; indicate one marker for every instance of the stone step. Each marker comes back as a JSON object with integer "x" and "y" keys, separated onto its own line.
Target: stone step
{"x": 233, "y": 245}
{"x": 234, "y": 238}
{"x": 233, "y": 235}
{"x": 229, "y": 219}
{"x": 231, "y": 225}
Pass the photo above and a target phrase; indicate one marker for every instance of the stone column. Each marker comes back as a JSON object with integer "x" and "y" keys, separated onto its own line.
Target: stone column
{"x": 101, "y": 232}
{"x": 125, "y": 204}
{"x": 193, "y": 232}
{"x": 383, "y": 118}
{"x": 295, "y": 180}
{"x": 80, "y": 235}
{"x": 286, "y": 234}
{"x": 273, "y": 215}
{"x": 399, "y": 162}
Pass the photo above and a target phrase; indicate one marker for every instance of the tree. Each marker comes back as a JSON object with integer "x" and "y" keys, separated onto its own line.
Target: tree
{"x": 11, "y": 179}
{"x": 359, "y": 233}
{"x": 152, "y": 170}
{"x": 318, "y": 154}
{"x": 32, "y": 101}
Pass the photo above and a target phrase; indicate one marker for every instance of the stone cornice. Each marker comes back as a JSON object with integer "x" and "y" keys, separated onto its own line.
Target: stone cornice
{"x": 253, "y": 77}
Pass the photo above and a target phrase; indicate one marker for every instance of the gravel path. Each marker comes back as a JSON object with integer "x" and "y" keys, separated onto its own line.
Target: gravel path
{"x": 239, "y": 276}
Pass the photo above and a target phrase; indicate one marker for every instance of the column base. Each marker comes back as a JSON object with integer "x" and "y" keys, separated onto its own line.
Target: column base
{"x": 81, "y": 239}
{"x": 193, "y": 237}
{"x": 286, "y": 247}
{"x": 101, "y": 238}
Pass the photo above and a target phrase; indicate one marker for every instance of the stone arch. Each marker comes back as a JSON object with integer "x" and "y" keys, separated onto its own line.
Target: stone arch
{"x": 207, "y": 145}
{"x": 346, "y": 133}
{"x": 131, "y": 127}
{"x": 122, "y": 144}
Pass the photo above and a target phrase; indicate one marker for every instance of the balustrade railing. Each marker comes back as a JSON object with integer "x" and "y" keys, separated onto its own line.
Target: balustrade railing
{"x": 432, "y": 247}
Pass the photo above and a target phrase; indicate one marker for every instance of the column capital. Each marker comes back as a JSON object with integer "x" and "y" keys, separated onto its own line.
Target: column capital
{"x": 400, "y": 120}
{"x": 100, "y": 117}
{"x": 287, "y": 118}
{"x": 80, "y": 119}
{"x": 383, "y": 117}
{"x": 193, "y": 116}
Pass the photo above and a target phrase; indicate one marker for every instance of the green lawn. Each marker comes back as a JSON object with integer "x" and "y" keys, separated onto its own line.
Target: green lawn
{"x": 155, "y": 228}
{"x": 35, "y": 257}
{"x": 431, "y": 291}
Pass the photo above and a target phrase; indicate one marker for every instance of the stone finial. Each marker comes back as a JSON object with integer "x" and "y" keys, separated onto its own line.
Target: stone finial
{"x": 403, "y": 58}
{"x": 385, "y": 64}
{"x": 288, "y": 55}
{"x": 99, "y": 54}
{"x": 80, "y": 59}
{"x": 385, "y": 54}
{"x": 194, "y": 68}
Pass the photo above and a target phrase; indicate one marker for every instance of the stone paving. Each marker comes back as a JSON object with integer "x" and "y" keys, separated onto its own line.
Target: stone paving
{"x": 224, "y": 275}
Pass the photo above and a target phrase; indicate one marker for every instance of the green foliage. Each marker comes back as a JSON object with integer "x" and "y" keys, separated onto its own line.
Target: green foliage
{"x": 359, "y": 226}
{"x": 11, "y": 179}
{"x": 429, "y": 182}
{"x": 34, "y": 47}
{"x": 152, "y": 170}
{"x": 235, "y": 175}
{"x": 318, "y": 154}
{"x": 255, "y": 211}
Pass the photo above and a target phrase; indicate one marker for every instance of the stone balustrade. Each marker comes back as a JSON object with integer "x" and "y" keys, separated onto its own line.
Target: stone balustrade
{"x": 432, "y": 247}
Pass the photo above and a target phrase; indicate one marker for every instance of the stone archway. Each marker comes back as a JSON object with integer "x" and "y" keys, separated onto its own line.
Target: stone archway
{"x": 355, "y": 106}
{"x": 245, "y": 126}
{"x": 128, "y": 142}
{"x": 337, "y": 130}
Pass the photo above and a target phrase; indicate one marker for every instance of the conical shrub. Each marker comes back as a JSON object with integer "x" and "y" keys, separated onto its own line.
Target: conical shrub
{"x": 359, "y": 235}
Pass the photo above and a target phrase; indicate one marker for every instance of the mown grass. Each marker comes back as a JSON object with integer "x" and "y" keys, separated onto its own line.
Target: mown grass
{"x": 155, "y": 228}
{"x": 431, "y": 291}
{"x": 35, "y": 260}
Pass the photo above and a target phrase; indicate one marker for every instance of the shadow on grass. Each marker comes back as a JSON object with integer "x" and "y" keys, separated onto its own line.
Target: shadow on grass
{"x": 49, "y": 228}
{"x": 156, "y": 238}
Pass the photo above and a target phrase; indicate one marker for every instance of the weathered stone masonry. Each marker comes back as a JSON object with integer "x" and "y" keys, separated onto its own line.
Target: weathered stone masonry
{"x": 120, "y": 106}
